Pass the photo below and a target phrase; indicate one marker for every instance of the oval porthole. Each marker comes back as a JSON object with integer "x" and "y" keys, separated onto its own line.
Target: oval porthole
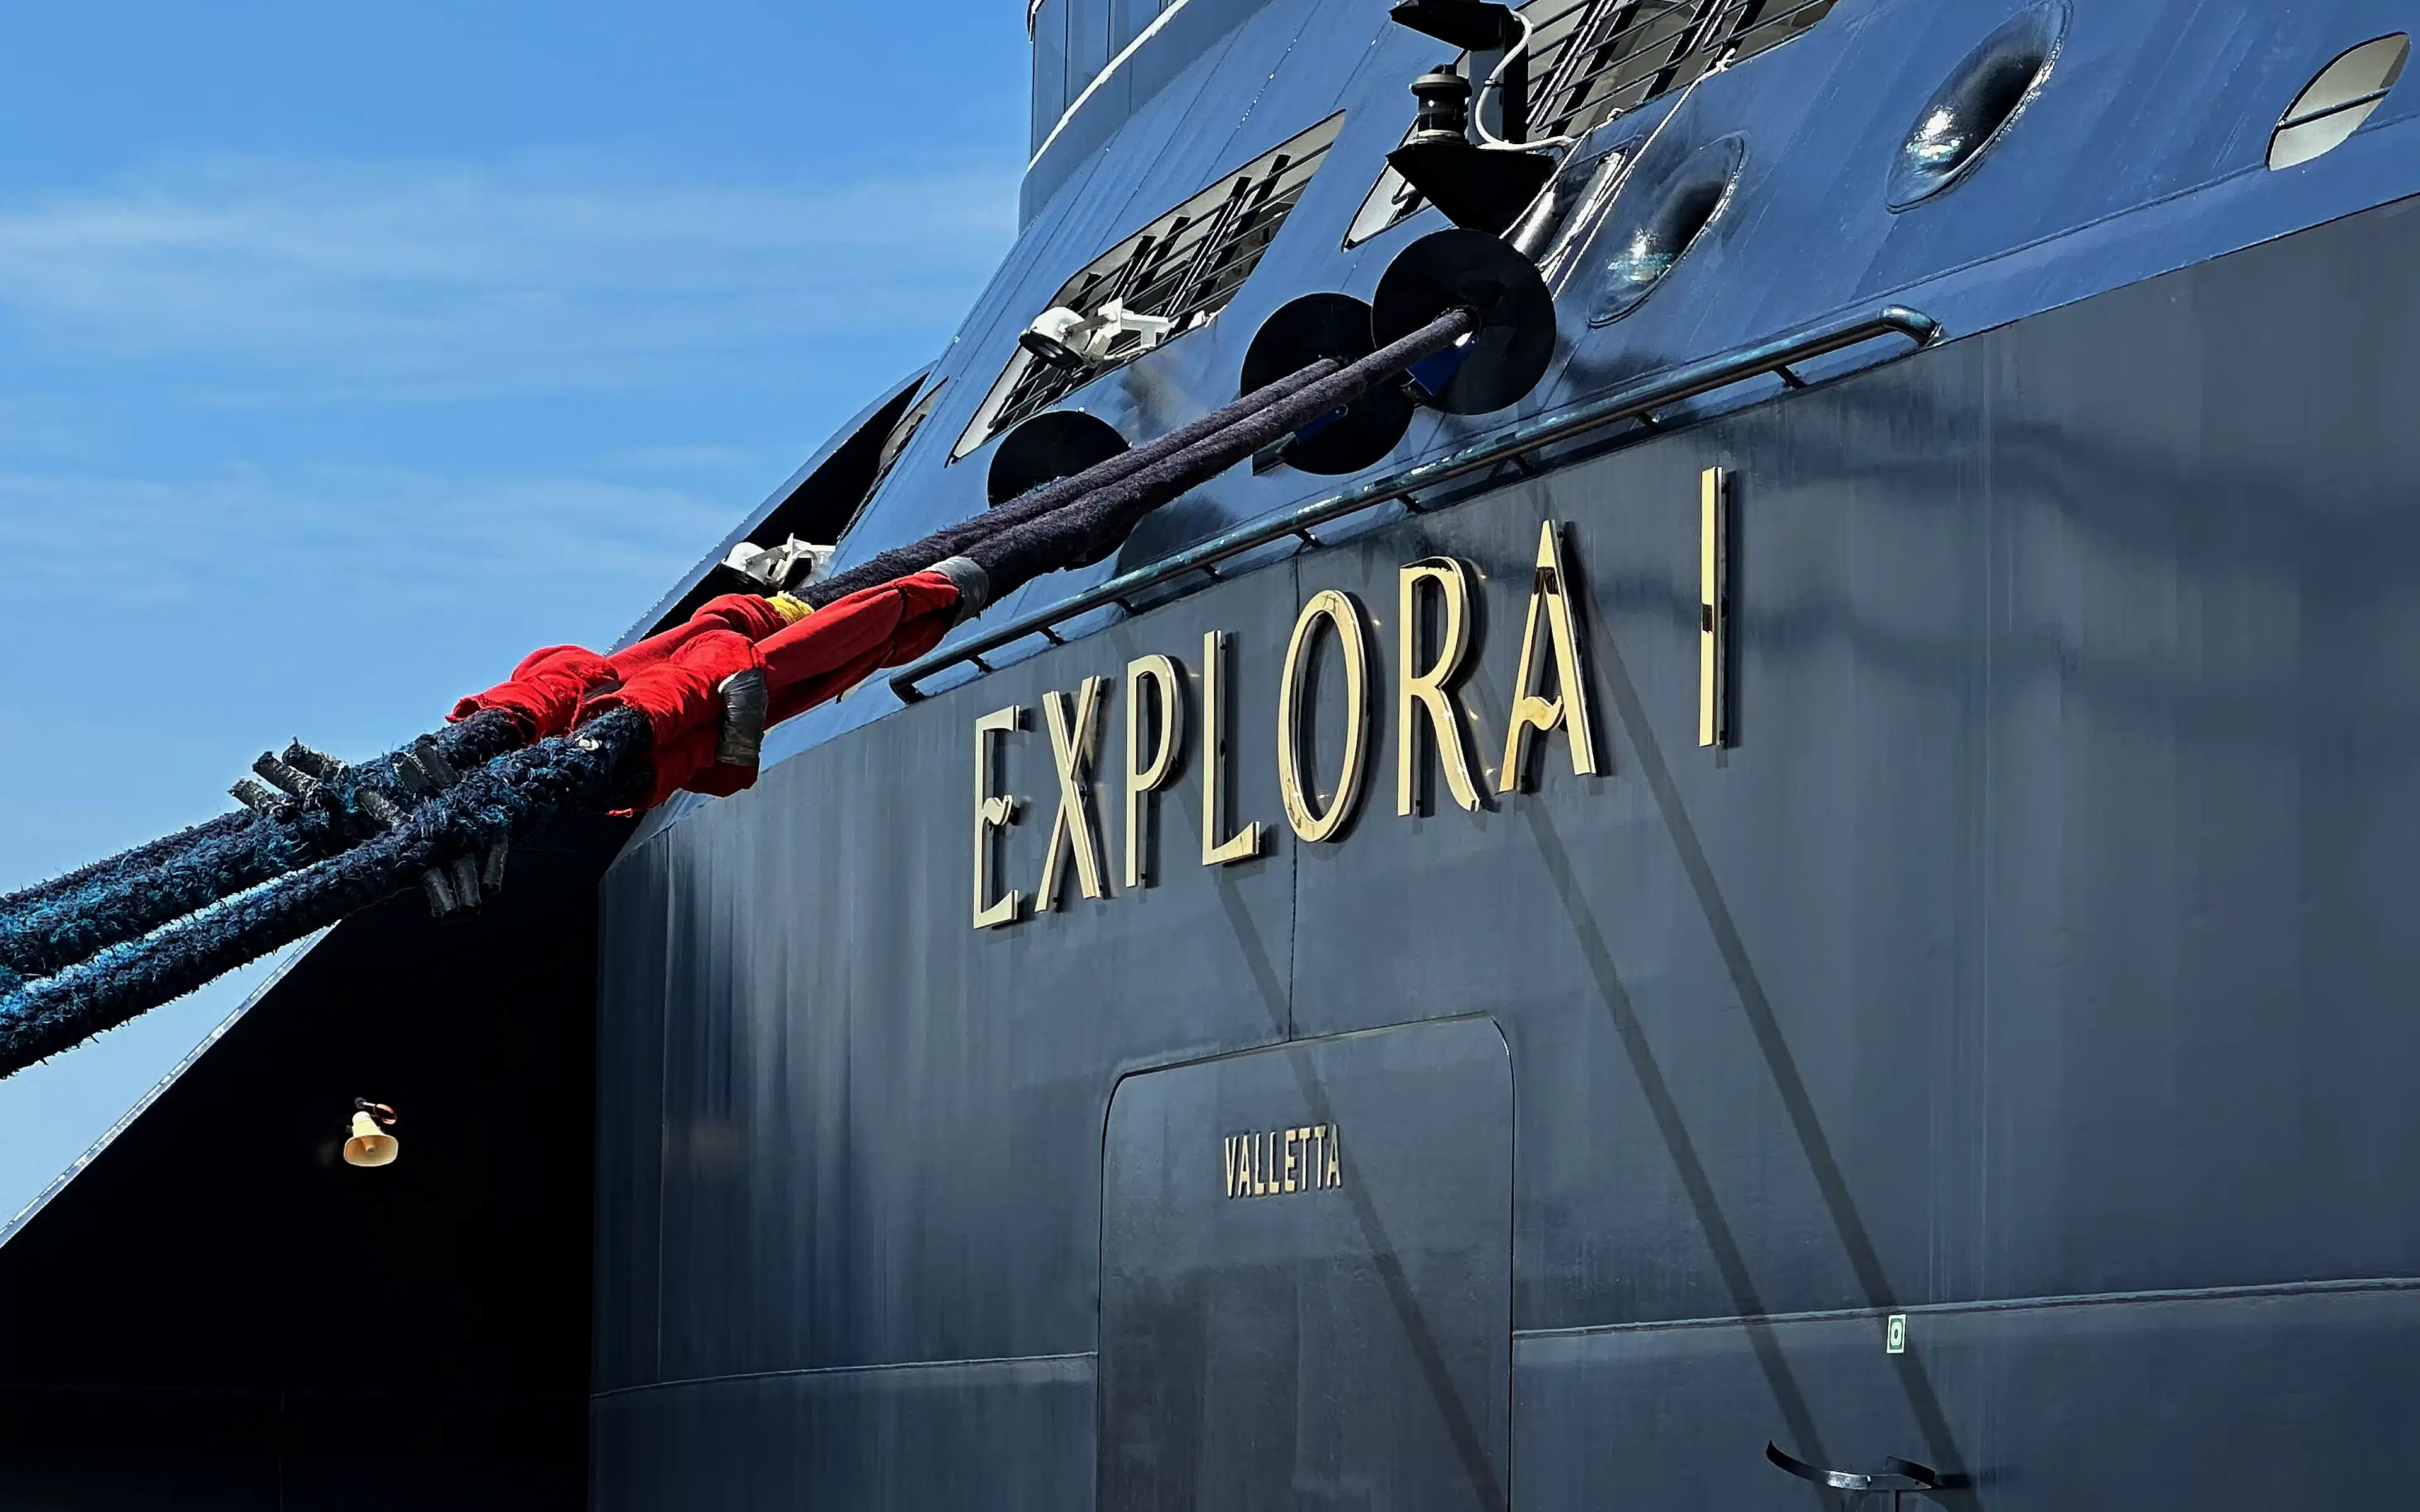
{"x": 1057, "y": 443}
{"x": 1656, "y": 219}
{"x": 2333, "y": 106}
{"x": 1988, "y": 90}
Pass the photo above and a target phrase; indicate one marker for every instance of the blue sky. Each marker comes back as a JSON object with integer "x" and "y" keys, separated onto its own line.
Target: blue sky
{"x": 345, "y": 354}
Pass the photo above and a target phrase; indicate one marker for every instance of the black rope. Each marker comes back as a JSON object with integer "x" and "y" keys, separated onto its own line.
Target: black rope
{"x": 954, "y": 540}
{"x": 47, "y": 929}
{"x": 1087, "y": 532}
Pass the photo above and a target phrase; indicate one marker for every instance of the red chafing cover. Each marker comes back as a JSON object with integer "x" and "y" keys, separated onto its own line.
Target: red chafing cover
{"x": 546, "y": 690}
{"x": 543, "y": 694}
{"x": 745, "y": 614}
{"x": 817, "y": 658}
{"x": 676, "y": 695}
{"x": 840, "y": 644}
{"x": 671, "y": 678}
{"x": 679, "y": 698}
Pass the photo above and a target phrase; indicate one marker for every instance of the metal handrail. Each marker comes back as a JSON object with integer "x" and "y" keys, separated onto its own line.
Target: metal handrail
{"x": 1640, "y": 401}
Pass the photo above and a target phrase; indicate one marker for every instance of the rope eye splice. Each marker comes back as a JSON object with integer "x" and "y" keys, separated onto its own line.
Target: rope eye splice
{"x": 572, "y": 732}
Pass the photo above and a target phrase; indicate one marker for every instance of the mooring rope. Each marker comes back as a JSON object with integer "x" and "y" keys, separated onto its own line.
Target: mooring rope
{"x": 151, "y": 853}
{"x": 1087, "y": 532}
{"x": 512, "y": 796}
{"x": 111, "y": 901}
{"x": 249, "y": 888}
{"x": 1042, "y": 500}
{"x": 46, "y": 929}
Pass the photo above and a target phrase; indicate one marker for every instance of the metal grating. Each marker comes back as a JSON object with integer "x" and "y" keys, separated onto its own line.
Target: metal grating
{"x": 1592, "y": 60}
{"x": 1183, "y": 268}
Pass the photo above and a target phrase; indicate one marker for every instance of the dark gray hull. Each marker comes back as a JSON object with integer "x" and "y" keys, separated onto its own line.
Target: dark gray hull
{"x": 2028, "y": 968}
{"x": 2032, "y": 966}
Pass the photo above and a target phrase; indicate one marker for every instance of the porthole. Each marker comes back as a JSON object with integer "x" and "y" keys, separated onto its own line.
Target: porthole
{"x": 2333, "y": 106}
{"x": 1056, "y": 444}
{"x": 1654, "y": 220}
{"x": 1984, "y": 95}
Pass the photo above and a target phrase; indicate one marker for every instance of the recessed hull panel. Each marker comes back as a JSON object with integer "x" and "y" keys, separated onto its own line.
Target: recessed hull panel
{"x": 1306, "y": 1290}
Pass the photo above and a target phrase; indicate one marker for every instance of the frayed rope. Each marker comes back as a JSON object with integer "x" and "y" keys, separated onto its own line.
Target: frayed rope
{"x": 141, "y": 858}
{"x": 51, "y": 928}
{"x": 593, "y": 768}
{"x": 130, "y": 895}
{"x": 368, "y": 832}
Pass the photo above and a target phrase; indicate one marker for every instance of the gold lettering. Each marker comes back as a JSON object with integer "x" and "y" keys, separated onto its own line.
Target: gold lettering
{"x": 992, "y": 812}
{"x": 1160, "y": 675}
{"x": 1270, "y": 1162}
{"x": 1293, "y": 730}
{"x": 1246, "y": 843}
{"x": 1531, "y": 712}
{"x": 1424, "y": 695}
{"x": 1714, "y": 607}
{"x": 1071, "y": 754}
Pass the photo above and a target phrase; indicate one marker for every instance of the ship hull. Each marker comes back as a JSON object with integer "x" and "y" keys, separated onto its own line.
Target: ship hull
{"x": 2028, "y": 965}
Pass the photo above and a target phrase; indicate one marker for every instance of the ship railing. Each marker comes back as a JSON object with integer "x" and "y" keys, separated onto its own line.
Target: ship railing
{"x": 1515, "y": 448}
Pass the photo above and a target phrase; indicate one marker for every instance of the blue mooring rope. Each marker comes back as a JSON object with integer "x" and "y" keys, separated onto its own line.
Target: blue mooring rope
{"x": 126, "y": 897}
{"x": 595, "y": 767}
{"x": 88, "y": 952}
{"x": 48, "y": 930}
{"x": 149, "y": 854}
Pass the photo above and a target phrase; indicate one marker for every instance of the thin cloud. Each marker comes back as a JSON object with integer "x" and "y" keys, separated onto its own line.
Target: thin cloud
{"x": 402, "y": 537}
{"x": 284, "y": 277}
{"x": 685, "y": 458}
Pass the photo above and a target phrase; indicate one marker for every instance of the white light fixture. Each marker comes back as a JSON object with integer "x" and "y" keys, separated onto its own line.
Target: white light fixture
{"x": 370, "y": 1144}
{"x": 1068, "y": 339}
{"x": 1056, "y": 337}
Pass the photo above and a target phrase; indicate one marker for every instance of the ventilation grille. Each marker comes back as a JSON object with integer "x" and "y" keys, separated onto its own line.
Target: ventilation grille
{"x": 1183, "y": 268}
{"x": 1593, "y": 59}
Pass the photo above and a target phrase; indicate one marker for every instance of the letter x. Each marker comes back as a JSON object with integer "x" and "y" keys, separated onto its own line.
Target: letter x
{"x": 1071, "y": 752}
